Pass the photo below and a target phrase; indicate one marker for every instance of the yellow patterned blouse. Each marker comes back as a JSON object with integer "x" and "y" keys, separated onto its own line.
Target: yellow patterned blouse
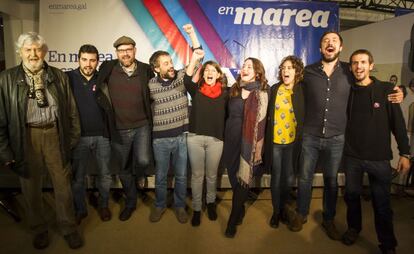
{"x": 284, "y": 126}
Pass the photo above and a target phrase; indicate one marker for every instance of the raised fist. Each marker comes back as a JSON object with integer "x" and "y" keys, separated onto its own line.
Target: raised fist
{"x": 198, "y": 54}
{"x": 188, "y": 28}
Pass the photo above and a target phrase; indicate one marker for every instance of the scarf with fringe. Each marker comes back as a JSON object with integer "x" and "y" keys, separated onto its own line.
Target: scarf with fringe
{"x": 253, "y": 132}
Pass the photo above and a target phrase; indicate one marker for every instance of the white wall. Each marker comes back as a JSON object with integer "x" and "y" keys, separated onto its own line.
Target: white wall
{"x": 386, "y": 39}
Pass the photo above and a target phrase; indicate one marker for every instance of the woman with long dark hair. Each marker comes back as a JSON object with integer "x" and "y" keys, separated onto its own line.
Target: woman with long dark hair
{"x": 244, "y": 135}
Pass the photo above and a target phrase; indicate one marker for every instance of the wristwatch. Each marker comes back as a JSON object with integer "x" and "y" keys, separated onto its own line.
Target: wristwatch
{"x": 408, "y": 156}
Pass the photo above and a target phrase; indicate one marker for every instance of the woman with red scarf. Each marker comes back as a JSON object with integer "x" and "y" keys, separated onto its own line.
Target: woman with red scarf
{"x": 205, "y": 140}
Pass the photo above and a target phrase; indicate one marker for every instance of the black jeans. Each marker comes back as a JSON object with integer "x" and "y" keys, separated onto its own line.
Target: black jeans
{"x": 379, "y": 175}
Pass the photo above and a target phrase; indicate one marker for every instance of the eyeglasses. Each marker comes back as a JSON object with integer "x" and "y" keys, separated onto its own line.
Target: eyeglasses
{"x": 123, "y": 51}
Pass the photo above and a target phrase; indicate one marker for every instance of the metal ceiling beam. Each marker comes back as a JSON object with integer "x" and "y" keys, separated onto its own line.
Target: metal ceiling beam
{"x": 388, "y": 6}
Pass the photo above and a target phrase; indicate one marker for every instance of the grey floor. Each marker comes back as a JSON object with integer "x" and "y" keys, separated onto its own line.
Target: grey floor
{"x": 138, "y": 235}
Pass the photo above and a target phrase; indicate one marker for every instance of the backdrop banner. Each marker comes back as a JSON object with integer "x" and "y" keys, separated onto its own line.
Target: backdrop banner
{"x": 229, "y": 31}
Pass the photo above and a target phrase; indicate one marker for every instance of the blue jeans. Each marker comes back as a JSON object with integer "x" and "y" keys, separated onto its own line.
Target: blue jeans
{"x": 330, "y": 150}
{"x": 172, "y": 150}
{"x": 134, "y": 157}
{"x": 379, "y": 175}
{"x": 282, "y": 171}
{"x": 100, "y": 148}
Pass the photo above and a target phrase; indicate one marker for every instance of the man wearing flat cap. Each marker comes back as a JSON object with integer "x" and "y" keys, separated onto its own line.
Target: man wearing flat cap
{"x": 123, "y": 94}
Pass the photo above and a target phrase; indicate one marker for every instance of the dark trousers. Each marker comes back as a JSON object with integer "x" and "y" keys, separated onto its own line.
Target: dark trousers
{"x": 240, "y": 195}
{"x": 43, "y": 151}
{"x": 232, "y": 171}
{"x": 379, "y": 175}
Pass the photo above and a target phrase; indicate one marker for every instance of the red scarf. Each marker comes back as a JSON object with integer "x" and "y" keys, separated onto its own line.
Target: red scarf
{"x": 213, "y": 91}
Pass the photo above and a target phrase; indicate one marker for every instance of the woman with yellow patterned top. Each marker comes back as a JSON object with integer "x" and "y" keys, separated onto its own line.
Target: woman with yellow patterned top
{"x": 283, "y": 133}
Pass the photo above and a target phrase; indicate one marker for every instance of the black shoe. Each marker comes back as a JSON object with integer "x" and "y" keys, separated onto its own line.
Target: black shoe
{"x": 230, "y": 231}
{"x": 211, "y": 211}
{"x": 242, "y": 214}
{"x": 80, "y": 217}
{"x": 126, "y": 213}
{"x": 350, "y": 236}
{"x": 274, "y": 221}
{"x": 41, "y": 240}
{"x": 105, "y": 214}
{"x": 74, "y": 240}
{"x": 195, "y": 221}
{"x": 331, "y": 230}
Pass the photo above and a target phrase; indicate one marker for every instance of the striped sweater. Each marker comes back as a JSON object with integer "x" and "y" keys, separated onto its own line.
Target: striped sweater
{"x": 170, "y": 106}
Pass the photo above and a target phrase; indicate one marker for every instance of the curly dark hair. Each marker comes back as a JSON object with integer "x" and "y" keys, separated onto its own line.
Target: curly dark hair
{"x": 259, "y": 70}
{"x": 297, "y": 65}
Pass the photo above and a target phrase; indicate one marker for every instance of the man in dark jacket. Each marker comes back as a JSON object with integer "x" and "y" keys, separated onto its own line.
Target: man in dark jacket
{"x": 123, "y": 94}
{"x": 39, "y": 126}
{"x": 371, "y": 120}
{"x": 92, "y": 141}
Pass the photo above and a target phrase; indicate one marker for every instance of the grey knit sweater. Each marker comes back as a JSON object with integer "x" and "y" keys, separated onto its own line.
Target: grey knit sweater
{"x": 170, "y": 106}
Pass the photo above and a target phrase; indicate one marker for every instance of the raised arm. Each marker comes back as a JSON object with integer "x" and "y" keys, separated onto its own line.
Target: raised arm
{"x": 189, "y": 29}
{"x": 196, "y": 58}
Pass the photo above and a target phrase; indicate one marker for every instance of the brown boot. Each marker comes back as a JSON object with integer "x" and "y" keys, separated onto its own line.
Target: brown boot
{"x": 104, "y": 213}
{"x": 295, "y": 221}
{"x": 41, "y": 240}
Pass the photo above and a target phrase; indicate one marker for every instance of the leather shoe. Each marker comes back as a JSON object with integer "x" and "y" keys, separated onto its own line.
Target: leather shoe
{"x": 274, "y": 221}
{"x": 105, "y": 214}
{"x": 331, "y": 230}
{"x": 350, "y": 236}
{"x": 211, "y": 211}
{"x": 126, "y": 213}
{"x": 41, "y": 240}
{"x": 74, "y": 240}
{"x": 195, "y": 221}
{"x": 230, "y": 231}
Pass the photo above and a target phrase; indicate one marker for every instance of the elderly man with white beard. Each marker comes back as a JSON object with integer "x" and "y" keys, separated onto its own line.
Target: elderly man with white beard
{"x": 39, "y": 126}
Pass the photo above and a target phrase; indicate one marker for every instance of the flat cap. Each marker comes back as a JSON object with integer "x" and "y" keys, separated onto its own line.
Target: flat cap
{"x": 123, "y": 40}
